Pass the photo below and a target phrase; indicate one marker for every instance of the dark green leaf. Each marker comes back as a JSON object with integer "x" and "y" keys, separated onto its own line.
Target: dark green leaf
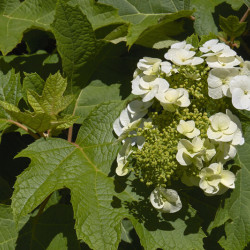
{"x": 99, "y": 15}
{"x": 93, "y": 95}
{"x": 76, "y": 44}
{"x": 145, "y": 17}
{"x": 204, "y": 22}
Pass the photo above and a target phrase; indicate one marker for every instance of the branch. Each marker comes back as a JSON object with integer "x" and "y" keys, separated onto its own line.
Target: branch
{"x": 244, "y": 17}
{"x": 35, "y": 136}
{"x": 70, "y": 133}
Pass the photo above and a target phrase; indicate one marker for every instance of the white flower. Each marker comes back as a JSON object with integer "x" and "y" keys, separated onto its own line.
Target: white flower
{"x": 165, "y": 200}
{"x": 166, "y": 67}
{"x": 125, "y": 123}
{"x": 121, "y": 159}
{"x": 240, "y": 90}
{"x": 215, "y": 180}
{"x": 207, "y": 46}
{"x": 188, "y": 129}
{"x": 149, "y": 66}
{"x": 225, "y": 128}
{"x": 172, "y": 98}
{"x": 245, "y": 68}
{"x": 195, "y": 152}
{"x": 147, "y": 86}
{"x": 222, "y": 62}
{"x": 225, "y": 151}
{"x": 137, "y": 109}
{"x": 181, "y": 45}
{"x": 221, "y": 50}
{"x": 191, "y": 152}
{"x": 183, "y": 57}
{"x": 218, "y": 82}
{"x": 221, "y": 55}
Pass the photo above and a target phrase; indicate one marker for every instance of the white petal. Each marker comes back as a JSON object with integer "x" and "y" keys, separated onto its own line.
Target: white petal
{"x": 215, "y": 93}
{"x": 237, "y": 95}
{"x": 228, "y": 179}
{"x": 117, "y": 126}
{"x": 197, "y": 60}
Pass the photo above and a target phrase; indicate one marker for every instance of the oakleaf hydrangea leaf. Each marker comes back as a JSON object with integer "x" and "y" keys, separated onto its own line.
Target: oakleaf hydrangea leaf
{"x": 33, "y": 82}
{"x": 76, "y": 43}
{"x": 8, "y": 228}
{"x": 16, "y": 17}
{"x": 93, "y": 95}
{"x": 98, "y": 200}
{"x": 235, "y": 211}
{"x": 232, "y": 26}
{"x": 99, "y": 15}
{"x": 148, "y": 15}
{"x": 52, "y": 100}
{"x": 204, "y": 21}
{"x": 46, "y": 107}
{"x": 10, "y": 91}
{"x": 39, "y": 122}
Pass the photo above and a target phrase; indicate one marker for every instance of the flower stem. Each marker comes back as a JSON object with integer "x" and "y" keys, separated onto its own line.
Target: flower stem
{"x": 35, "y": 136}
{"x": 244, "y": 17}
{"x": 70, "y": 133}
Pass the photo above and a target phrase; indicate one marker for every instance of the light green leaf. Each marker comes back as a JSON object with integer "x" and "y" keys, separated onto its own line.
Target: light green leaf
{"x": 98, "y": 201}
{"x": 39, "y": 122}
{"x": 16, "y": 17}
{"x": 93, "y": 95}
{"x": 76, "y": 44}
{"x": 164, "y": 44}
{"x": 232, "y": 26}
{"x": 32, "y": 82}
{"x": 236, "y": 4}
{"x": 235, "y": 211}
{"x": 99, "y": 15}
{"x": 193, "y": 40}
{"x": 46, "y": 107}
{"x": 152, "y": 15}
{"x": 51, "y": 101}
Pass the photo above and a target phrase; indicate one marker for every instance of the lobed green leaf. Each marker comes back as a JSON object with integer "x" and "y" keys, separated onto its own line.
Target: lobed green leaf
{"x": 232, "y": 26}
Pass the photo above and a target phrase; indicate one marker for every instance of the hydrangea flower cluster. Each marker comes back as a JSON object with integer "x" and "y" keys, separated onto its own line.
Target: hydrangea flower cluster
{"x": 180, "y": 126}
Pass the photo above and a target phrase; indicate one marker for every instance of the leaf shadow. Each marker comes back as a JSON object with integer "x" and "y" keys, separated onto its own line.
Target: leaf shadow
{"x": 41, "y": 231}
{"x": 142, "y": 209}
